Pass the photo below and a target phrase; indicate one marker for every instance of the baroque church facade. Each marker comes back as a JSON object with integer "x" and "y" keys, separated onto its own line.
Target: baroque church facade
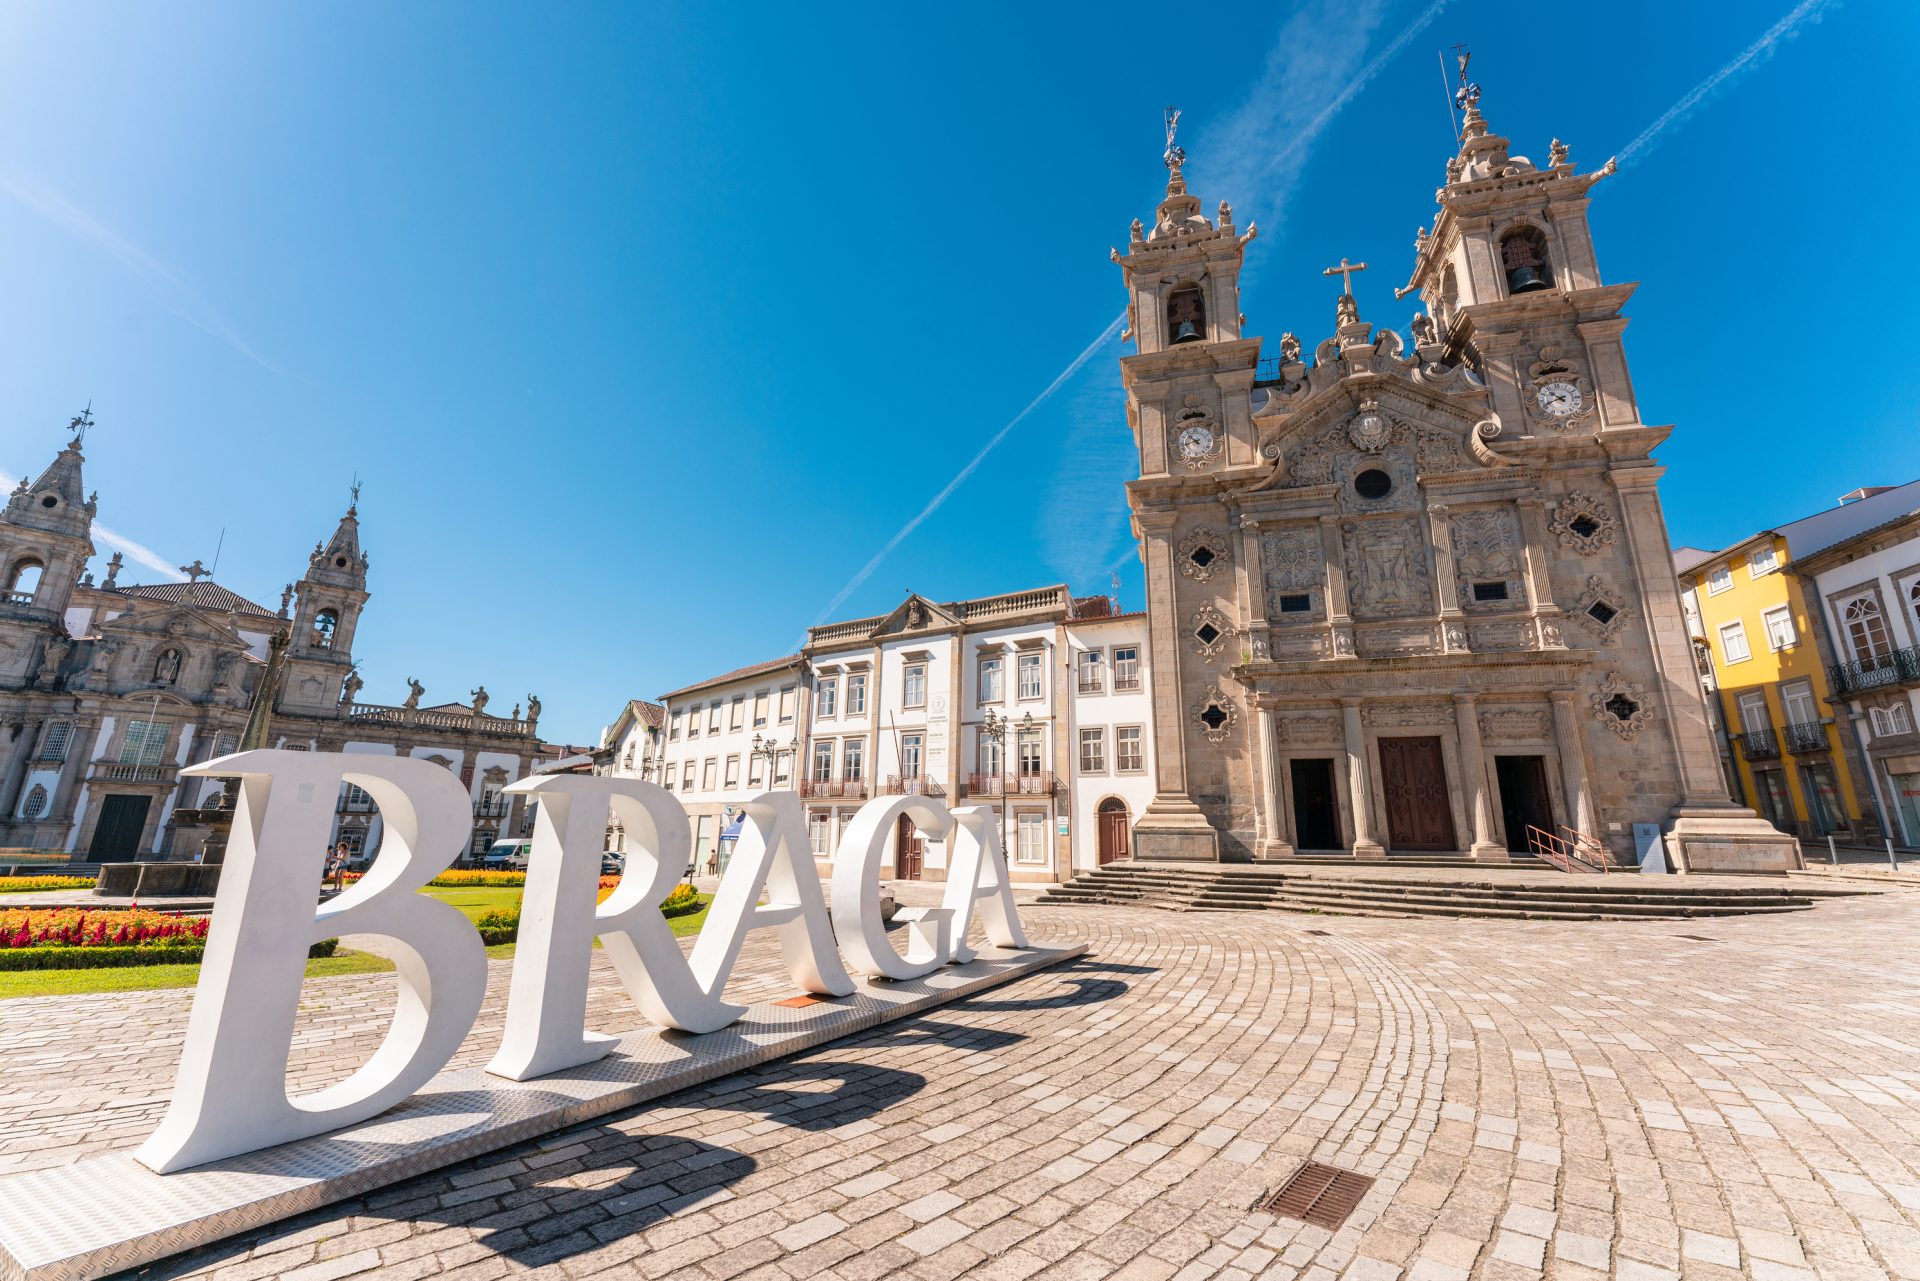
{"x": 1414, "y": 597}
{"x": 107, "y": 690}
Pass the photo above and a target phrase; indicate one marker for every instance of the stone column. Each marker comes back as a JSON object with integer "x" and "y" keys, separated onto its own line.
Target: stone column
{"x": 1171, "y": 826}
{"x": 1473, "y": 764}
{"x": 1339, "y": 622}
{"x": 1359, "y": 782}
{"x": 1273, "y": 828}
{"x": 1453, "y": 627}
{"x": 1573, "y": 761}
{"x": 1533, "y": 538}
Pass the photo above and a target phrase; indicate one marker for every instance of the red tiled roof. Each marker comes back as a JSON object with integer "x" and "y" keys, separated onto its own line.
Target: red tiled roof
{"x": 738, "y": 674}
{"x": 207, "y": 595}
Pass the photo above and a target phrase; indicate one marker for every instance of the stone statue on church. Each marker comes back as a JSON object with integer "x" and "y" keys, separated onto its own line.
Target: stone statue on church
{"x": 1289, "y": 349}
{"x": 351, "y": 687}
{"x": 58, "y": 647}
{"x": 479, "y": 700}
{"x": 111, "y": 581}
{"x": 415, "y": 692}
{"x": 533, "y": 709}
{"x": 1424, "y": 332}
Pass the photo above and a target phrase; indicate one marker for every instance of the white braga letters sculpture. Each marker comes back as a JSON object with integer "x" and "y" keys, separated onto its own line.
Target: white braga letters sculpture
{"x": 231, "y": 1093}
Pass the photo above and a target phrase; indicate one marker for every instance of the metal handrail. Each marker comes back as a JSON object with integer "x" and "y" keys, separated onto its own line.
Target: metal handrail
{"x": 1806, "y": 736}
{"x": 1891, "y": 668}
{"x": 1571, "y": 852}
{"x": 1759, "y": 744}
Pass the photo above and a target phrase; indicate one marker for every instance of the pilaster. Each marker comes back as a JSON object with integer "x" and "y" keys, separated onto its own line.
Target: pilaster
{"x": 1359, "y": 782}
{"x": 1473, "y": 764}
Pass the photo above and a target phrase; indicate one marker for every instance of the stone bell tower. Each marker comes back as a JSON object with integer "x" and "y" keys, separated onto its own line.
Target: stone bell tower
{"x": 45, "y": 541}
{"x": 1187, "y": 403}
{"x": 329, "y": 600}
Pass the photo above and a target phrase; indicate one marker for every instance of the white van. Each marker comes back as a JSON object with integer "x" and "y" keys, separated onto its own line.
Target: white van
{"x": 510, "y": 855}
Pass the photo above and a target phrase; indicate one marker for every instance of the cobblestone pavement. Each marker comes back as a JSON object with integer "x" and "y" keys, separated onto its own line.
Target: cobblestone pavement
{"x": 1646, "y": 1100}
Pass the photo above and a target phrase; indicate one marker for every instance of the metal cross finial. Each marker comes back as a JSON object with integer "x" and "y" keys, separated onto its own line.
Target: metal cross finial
{"x": 195, "y": 572}
{"x": 1345, "y": 271}
{"x": 1467, "y": 95}
{"x": 355, "y": 505}
{"x": 1175, "y": 154}
{"x": 81, "y": 422}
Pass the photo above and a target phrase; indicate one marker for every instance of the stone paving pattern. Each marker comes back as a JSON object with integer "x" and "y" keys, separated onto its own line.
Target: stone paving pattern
{"x": 1574, "y": 1100}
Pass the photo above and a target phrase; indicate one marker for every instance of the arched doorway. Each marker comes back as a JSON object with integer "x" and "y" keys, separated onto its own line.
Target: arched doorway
{"x": 909, "y": 848}
{"x": 1115, "y": 833}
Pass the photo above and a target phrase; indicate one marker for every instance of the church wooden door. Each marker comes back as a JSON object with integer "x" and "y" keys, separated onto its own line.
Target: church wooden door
{"x": 907, "y": 850}
{"x": 1413, "y": 781}
{"x": 1113, "y": 830}
{"x": 116, "y": 837}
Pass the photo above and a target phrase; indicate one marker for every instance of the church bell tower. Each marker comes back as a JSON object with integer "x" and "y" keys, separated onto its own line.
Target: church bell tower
{"x": 329, "y": 599}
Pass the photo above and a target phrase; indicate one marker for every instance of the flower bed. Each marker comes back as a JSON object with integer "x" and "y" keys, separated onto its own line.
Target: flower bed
{"x": 77, "y": 938}
{"x": 26, "y": 884}
{"x": 504, "y": 926}
{"x": 115, "y": 957}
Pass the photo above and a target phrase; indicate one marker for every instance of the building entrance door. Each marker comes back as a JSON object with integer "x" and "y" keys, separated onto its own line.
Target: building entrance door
{"x": 1316, "y": 823}
{"x": 1524, "y": 799}
{"x": 1774, "y": 802}
{"x": 1413, "y": 782}
{"x": 1113, "y": 830}
{"x": 116, "y": 837}
{"x": 907, "y": 851}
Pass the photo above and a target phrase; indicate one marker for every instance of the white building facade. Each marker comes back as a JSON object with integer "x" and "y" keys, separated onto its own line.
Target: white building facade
{"x": 727, "y": 740}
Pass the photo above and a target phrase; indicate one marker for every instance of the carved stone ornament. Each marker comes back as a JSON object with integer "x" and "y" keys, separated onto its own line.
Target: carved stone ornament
{"x": 1620, "y": 705}
{"x": 1369, "y": 430}
{"x": 1486, "y": 548}
{"x": 1201, "y": 553}
{"x": 1557, "y": 395}
{"x": 916, "y": 614}
{"x": 1211, "y": 631}
{"x": 1215, "y": 714}
{"x": 1583, "y": 523}
{"x": 1387, "y": 568}
{"x": 1407, "y": 713}
{"x": 1516, "y": 724}
{"x": 1307, "y": 727}
{"x": 1600, "y": 609}
{"x": 1292, "y": 559}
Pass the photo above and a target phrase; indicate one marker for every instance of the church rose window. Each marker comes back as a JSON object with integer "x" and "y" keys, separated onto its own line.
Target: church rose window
{"x": 1373, "y": 483}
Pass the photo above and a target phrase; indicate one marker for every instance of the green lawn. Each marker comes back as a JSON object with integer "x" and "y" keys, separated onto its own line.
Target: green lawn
{"x": 473, "y": 901}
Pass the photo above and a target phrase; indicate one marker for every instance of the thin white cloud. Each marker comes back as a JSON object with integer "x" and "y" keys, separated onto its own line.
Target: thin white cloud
{"x": 138, "y": 553}
{"x": 1758, "y": 51}
{"x": 960, "y": 477}
{"x": 181, "y": 298}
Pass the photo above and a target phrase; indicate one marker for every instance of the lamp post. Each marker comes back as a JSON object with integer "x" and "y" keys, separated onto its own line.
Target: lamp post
{"x": 764, "y": 749}
{"x": 994, "y": 730}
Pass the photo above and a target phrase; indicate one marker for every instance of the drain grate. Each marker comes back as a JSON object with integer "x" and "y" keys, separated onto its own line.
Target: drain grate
{"x": 1322, "y": 1195}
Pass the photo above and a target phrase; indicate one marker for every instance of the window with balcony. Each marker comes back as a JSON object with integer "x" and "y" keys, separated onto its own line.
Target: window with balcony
{"x": 992, "y": 690}
{"x": 1093, "y": 751}
{"x": 822, "y": 762}
{"x": 1032, "y": 683}
{"x": 857, "y": 694}
{"x": 912, "y": 757}
{"x": 1093, "y": 671}
{"x": 1126, "y": 668}
{"x": 1733, "y": 642}
{"x": 1866, "y": 628}
{"x": 826, "y": 698}
{"x": 1127, "y": 756}
{"x": 1780, "y": 630}
{"x": 913, "y": 685}
{"x": 145, "y": 743}
{"x": 853, "y": 760}
{"x": 1028, "y": 753}
{"x": 987, "y": 756}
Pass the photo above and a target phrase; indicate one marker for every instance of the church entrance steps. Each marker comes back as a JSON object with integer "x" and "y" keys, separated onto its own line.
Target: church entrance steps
{"x": 1498, "y": 891}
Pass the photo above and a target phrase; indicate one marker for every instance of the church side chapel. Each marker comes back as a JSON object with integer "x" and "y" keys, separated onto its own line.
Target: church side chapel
{"x": 1414, "y": 597}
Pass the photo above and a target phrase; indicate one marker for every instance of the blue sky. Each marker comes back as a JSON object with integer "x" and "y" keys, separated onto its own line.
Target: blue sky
{"x": 648, "y": 330}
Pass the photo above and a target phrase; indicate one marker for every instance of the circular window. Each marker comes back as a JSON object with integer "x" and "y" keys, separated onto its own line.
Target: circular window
{"x": 341, "y": 561}
{"x": 1373, "y": 483}
{"x": 49, "y": 501}
{"x": 36, "y": 803}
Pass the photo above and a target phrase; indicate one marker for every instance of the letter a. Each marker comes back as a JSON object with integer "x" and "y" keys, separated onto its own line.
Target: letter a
{"x": 979, "y": 875}
{"x": 231, "y": 1092}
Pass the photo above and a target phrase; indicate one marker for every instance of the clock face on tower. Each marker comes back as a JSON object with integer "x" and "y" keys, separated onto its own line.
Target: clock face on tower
{"x": 1559, "y": 398}
{"x": 1196, "y": 442}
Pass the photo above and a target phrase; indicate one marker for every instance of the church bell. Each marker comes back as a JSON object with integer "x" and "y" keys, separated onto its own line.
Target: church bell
{"x": 1186, "y": 333}
{"x": 1526, "y": 280}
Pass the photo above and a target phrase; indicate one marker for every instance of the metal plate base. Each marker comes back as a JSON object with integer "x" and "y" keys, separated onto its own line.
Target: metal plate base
{"x": 99, "y": 1216}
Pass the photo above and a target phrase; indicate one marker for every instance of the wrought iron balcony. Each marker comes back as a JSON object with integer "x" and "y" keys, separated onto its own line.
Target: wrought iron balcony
{"x": 1033, "y": 783}
{"x": 496, "y": 808}
{"x": 116, "y": 772}
{"x": 985, "y": 784}
{"x": 1897, "y": 667}
{"x": 1125, "y": 684}
{"x": 1093, "y": 684}
{"x": 19, "y": 598}
{"x": 917, "y": 785}
{"x": 1806, "y": 737}
{"x": 854, "y": 788}
{"x": 1759, "y": 745}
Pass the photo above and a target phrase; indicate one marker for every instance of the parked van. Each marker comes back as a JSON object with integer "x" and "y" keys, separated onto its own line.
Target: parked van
{"x": 503, "y": 856}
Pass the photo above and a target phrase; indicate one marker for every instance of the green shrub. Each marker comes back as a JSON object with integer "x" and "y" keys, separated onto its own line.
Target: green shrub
{"x": 169, "y": 952}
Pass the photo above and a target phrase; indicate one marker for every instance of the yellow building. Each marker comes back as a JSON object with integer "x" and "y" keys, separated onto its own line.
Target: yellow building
{"x": 1764, "y": 657}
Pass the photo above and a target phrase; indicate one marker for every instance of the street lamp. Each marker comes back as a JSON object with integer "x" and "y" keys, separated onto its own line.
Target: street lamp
{"x": 764, "y": 749}
{"x": 994, "y": 730}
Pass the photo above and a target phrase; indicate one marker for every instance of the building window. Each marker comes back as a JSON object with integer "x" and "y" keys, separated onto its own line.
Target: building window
{"x": 1093, "y": 751}
{"x": 1763, "y": 562}
{"x": 853, "y": 760}
{"x": 733, "y": 772}
{"x": 786, "y": 704}
{"x": 823, "y": 761}
{"x": 709, "y": 773}
{"x": 1496, "y": 590}
{"x": 1126, "y": 668}
{"x": 737, "y": 712}
{"x": 759, "y": 709}
{"x": 1733, "y": 642}
{"x": 666, "y": 778}
{"x": 1093, "y": 672}
{"x": 826, "y": 697}
{"x": 1891, "y": 720}
{"x": 910, "y": 756}
{"x": 1719, "y": 580}
{"x": 1028, "y": 757}
{"x": 1032, "y": 828}
{"x": 693, "y": 723}
{"x": 36, "y": 802}
{"x": 1753, "y": 713}
{"x": 1126, "y": 749}
{"x": 913, "y": 685}
{"x": 145, "y": 743}
{"x": 755, "y": 769}
{"x": 782, "y": 766}
{"x": 686, "y": 777}
{"x": 1866, "y": 629}
{"x": 713, "y": 717}
{"x": 991, "y": 689}
{"x": 857, "y": 694}
{"x": 1031, "y": 684}
{"x": 988, "y": 754}
{"x": 55, "y": 746}
{"x": 1797, "y": 701}
{"x": 1779, "y": 625}
{"x": 25, "y": 581}
{"x": 819, "y": 829}
{"x": 1300, "y": 603}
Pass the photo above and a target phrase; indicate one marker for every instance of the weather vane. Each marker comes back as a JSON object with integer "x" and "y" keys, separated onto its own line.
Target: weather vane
{"x": 1468, "y": 94}
{"x": 356, "y": 491}
{"x": 1176, "y": 155}
{"x": 81, "y": 422}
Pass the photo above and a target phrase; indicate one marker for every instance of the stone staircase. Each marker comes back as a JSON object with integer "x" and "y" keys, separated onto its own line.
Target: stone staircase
{"x": 1481, "y": 890}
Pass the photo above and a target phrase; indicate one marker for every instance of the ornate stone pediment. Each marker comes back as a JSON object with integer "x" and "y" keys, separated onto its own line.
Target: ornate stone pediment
{"x": 916, "y": 613}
